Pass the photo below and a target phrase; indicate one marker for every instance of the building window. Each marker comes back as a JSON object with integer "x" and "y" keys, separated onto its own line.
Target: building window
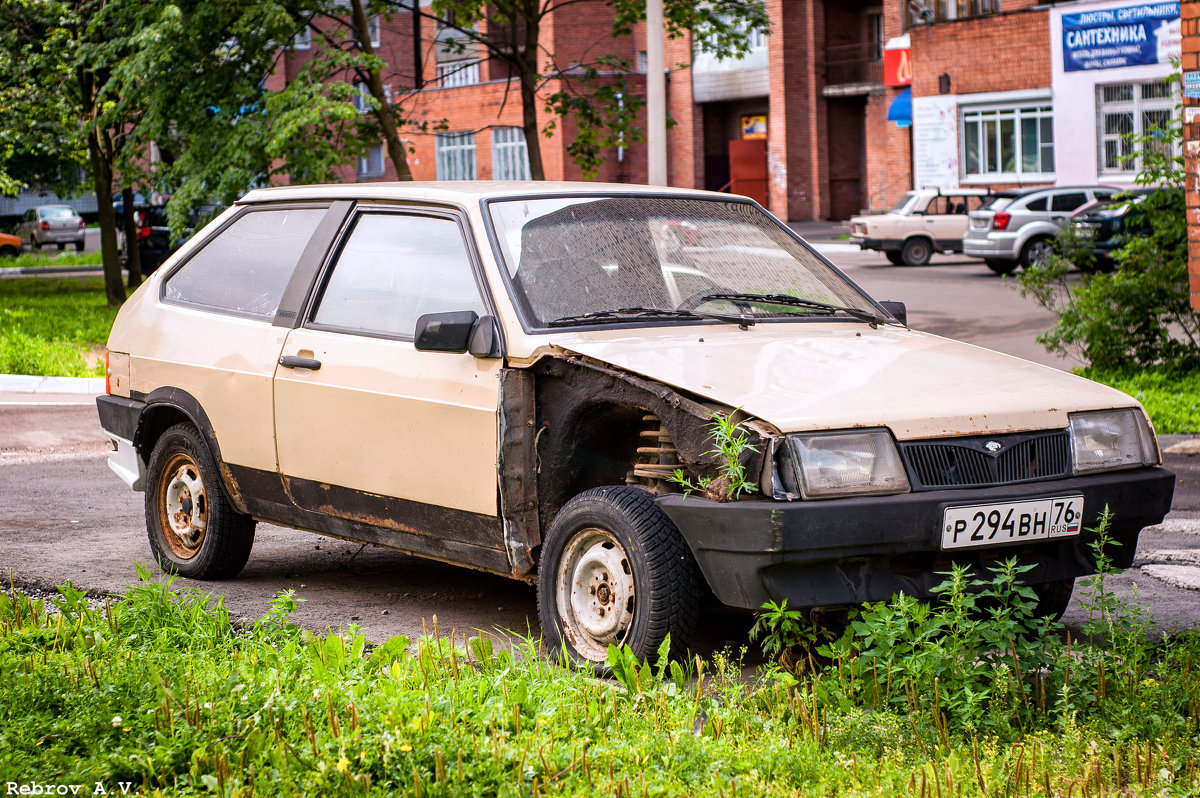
{"x": 303, "y": 39}
{"x": 362, "y": 97}
{"x": 455, "y": 156}
{"x": 875, "y": 36}
{"x": 458, "y": 73}
{"x": 1008, "y": 141}
{"x": 372, "y": 30}
{"x": 371, "y": 164}
{"x": 1127, "y": 110}
{"x": 756, "y": 38}
{"x": 930, "y": 10}
{"x": 510, "y": 156}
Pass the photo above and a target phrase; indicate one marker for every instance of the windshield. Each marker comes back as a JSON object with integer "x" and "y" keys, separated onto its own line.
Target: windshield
{"x": 904, "y": 202}
{"x": 55, "y": 212}
{"x": 571, "y": 256}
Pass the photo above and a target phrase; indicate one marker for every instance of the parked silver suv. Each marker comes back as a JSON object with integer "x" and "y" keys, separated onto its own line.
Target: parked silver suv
{"x": 1016, "y": 227}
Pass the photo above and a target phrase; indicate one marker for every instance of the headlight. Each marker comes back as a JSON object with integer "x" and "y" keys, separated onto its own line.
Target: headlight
{"x": 1108, "y": 440}
{"x": 847, "y": 464}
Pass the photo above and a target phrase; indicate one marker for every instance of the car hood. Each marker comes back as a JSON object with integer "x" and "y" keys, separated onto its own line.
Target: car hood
{"x": 811, "y": 376}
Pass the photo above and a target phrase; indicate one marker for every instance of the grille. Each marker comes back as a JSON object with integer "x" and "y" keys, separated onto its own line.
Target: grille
{"x": 1026, "y": 457}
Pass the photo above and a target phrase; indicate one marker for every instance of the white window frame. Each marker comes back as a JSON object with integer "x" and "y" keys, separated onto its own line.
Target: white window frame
{"x": 452, "y": 74}
{"x": 303, "y": 39}
{"x": 362, "y": 95}
{"x": 510, "y": 154}
{"x": 373, "y": 29}
{"x": 371, "y": 164}
{"x": 1137, "y": 107}
{"x": 455, "y": 155}
{"x": 974, "y": 118}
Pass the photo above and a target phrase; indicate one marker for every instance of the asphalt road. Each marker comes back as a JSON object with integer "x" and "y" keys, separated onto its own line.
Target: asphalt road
{"x": 63, "y": 515}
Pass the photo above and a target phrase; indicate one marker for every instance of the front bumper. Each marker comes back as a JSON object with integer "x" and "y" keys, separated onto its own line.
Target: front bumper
{"x": 847, "y": 551}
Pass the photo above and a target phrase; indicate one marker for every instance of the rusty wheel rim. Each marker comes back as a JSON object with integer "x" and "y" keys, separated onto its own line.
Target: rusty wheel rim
{"x": 182, "y": 506}
{"x": 595, "y": 593}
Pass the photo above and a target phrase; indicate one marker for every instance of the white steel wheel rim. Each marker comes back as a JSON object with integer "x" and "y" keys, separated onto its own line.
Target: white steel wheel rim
{"x": 595, "y": 593}
{"x": 183, "y": 507}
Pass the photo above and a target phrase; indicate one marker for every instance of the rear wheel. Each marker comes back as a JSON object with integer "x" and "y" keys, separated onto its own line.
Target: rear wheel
{"x": 916, "y": 251}
{"x": 194, "y": 530}
{"x": 61, "y": 247}
{"x": 79, "y": 246}
{"x": 1035, "y": 252}
{"x": 1001, "y": 266}
{"x": 615, "y": 571}
{"x": 893, "y": 255}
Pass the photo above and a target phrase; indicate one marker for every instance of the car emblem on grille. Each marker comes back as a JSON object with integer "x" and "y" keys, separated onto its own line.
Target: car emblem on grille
{"x": 993, "y": 446}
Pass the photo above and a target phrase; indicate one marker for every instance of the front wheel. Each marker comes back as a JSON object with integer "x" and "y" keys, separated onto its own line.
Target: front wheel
{"x": 1054, "y": 598}
{"x": 916, "y": 251}
{"x": 615, "y": 571}
{"x": 194, "y": 530}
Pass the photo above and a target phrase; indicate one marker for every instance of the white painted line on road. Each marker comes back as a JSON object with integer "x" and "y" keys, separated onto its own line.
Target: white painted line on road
{"x": 836, "y": 249}
{"x": 47, "y": 404}
{"x": 1183, "y": 576}
{"x": 21, "y": 383}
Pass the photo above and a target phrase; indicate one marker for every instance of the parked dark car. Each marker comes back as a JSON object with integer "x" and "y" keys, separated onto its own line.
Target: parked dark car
{"x": 1108, "y": 224}
{"x": 154, "y": 240}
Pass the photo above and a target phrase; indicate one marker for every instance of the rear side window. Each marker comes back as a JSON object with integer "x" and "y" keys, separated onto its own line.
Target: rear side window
{"x": 245, "y": 269}
{"x": 1068, "y": 202}
{"x": 393, "y": 269}
{"x": 1038, "y": 204}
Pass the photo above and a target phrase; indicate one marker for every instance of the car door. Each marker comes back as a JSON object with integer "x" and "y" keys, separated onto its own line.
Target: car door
{"x": 946, "y": 221}
{"x": 367, "y": 427}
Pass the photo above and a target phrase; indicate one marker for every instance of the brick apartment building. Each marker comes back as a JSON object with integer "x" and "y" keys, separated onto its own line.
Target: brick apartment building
{"x": 979, "y": 92}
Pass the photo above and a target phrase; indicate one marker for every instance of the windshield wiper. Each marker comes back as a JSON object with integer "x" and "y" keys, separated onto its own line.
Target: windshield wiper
{"x": 794, "y": 301}
{"x": 623, "y": 314}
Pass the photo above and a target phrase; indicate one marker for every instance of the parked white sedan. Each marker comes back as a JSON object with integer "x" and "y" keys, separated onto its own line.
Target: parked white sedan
{"x": 923, "y": 222}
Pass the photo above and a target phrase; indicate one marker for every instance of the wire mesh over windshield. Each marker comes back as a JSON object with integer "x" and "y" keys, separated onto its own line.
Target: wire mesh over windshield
{"x": 576, "y": 255}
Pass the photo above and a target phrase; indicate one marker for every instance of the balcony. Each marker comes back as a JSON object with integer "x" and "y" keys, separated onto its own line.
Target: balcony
{"x": 852, "y": 68}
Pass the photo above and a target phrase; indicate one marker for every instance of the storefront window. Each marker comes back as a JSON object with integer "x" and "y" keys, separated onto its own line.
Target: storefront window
{"x": 1128, "y": 110}
{"x": 1007, "y": 141}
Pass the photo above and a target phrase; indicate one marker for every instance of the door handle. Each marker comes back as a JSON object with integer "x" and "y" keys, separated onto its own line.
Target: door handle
{"x": 293, "y": 362}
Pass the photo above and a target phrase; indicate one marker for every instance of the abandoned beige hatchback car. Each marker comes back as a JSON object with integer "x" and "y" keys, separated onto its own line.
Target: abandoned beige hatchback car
{"x": 517, "y": 377}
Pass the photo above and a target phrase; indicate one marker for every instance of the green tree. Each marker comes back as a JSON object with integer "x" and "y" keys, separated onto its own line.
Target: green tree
{"x": 1139, "y": 315}
{"x": 593, "y": 92}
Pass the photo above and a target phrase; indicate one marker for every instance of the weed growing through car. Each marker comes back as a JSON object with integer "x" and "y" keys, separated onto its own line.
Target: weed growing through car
{"x": 730, "y": 444}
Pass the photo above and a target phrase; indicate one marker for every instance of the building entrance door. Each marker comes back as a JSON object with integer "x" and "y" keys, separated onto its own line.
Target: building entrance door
{"x": 748, "y": 169}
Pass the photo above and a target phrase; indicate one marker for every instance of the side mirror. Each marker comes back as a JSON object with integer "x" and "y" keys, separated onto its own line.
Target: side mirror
{"x": 897, "y": 309}
{"x": 445, "y": 332}
{"x": 485, "y": 338}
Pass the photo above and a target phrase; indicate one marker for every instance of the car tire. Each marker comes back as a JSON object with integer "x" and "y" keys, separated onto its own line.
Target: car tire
{"x": 194, "y": 530}
{"x": 1054, "y": 598}
{"x": 61, "y": 247}
{"x": 1001, "y": 266}
{"x": 9, "y": 252}
{"x": 894, "y": 257}
{"x": 33, "y": 244}
{"x": 916, "y": 251}
{"x": 79, "y": 245}
{"x": 615, "y": 570}
{"x": 1035, "y": 251}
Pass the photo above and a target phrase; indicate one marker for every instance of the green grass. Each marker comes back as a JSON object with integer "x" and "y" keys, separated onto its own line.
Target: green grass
{"x": 48, "y": 325}
{"x": 30, "y": 260}
{"x": 1171, "y": 397}
{"x": 160, "y": 689}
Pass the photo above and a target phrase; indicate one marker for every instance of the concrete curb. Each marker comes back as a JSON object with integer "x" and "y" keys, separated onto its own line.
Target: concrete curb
{"x": 20, "y": 383}
{"x": 45, "y": 271}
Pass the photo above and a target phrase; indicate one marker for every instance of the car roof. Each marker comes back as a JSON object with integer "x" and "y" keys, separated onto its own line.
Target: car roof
{"x": 952, "y": 192}
{"x": 61, "y": 207}
{"x": 1025, "y": 192}
{"x": 463, "y": 191}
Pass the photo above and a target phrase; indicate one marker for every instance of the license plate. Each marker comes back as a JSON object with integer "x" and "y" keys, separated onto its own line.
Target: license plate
{"x": 1011, "y": 522}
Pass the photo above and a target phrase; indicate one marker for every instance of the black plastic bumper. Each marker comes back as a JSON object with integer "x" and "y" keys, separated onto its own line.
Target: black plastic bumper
{"x": 846, "y": 551}
{"x": 119, "y": 416}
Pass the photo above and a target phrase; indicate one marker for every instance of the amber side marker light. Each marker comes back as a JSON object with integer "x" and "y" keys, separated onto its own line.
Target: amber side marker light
{"x": 107, "y": 376}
